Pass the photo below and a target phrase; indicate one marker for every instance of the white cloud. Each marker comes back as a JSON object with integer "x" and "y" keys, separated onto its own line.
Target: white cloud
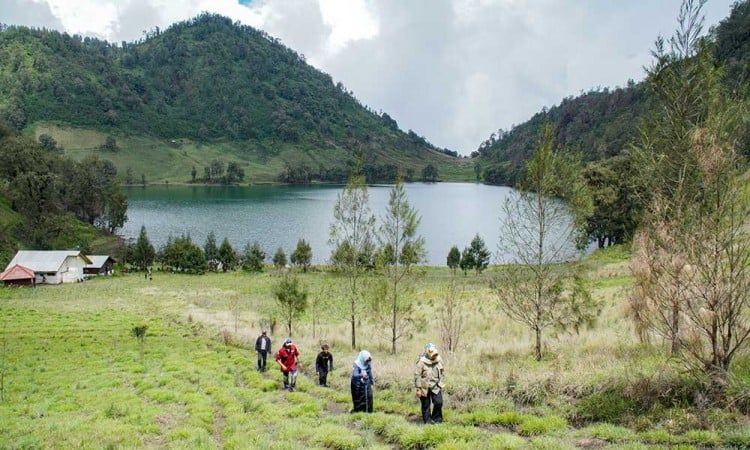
{"x": 454, "y": 71}
{"x": 349, "y": 20}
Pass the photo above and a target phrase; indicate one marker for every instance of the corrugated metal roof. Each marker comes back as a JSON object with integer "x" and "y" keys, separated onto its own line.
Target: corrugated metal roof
{"x": 97, "y": 261}
{"x": 44, "y": 260}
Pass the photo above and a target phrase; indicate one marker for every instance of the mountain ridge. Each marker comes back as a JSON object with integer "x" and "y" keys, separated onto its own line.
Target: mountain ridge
{"x": 208, "y": 80}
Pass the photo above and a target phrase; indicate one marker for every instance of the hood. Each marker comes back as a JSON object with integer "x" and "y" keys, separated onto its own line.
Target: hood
{"x": 426, "y": 359}
{"x": 363, "y": 356}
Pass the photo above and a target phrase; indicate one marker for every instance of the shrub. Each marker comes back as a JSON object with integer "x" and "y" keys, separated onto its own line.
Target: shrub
{"x": 505, "y": 441}
{"x": 305, "y": 410}
{"x": 609, "y": 433}
{"x": 703, "y": 438}
{"x": 336, "y": 437}
{"x": 509, "y": 419}
{"x": 534, "y": 426}
{"x": 115, "y": 411}
{"x": 737, "y": 438}
{"x": 661, "y": 437}
{"x": 609, "y": 406}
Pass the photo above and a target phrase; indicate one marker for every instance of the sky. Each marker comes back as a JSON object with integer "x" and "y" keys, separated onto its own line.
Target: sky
{"x": 453, "y": 71}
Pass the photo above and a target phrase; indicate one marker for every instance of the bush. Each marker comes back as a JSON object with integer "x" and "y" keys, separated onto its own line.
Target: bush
{"x": 609, "y": 406}
{"x": 336, "y": 437}
{"x": 737, "y": 438}
{"x": 659, "y": 437}
{"x": 534, "y": 426}
{"x": 609, "y": 433}
{"x": 703, "y": 438}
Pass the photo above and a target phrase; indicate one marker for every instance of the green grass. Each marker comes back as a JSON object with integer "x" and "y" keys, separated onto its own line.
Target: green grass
{"x": 74, "y": 377}
{"x": 163, "y": 161}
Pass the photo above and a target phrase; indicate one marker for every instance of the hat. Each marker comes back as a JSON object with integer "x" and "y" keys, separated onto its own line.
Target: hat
{"x": 430, "y": 347}
{"x": 287, "y": 341}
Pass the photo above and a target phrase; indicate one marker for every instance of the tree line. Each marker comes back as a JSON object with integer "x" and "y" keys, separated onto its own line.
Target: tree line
{"x": 181, "y": 254}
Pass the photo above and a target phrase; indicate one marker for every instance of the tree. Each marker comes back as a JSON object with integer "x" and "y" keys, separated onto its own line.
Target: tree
{"x": 110, "y": 144}
{"x": 479, "y": 254}
{"x": 217, "y": 169}
{"x": 49, "y": 144}
{"x": 227, "y": 255}
{"x": 184, "y": 255}
{"x": 254, "y": 257}
{"x": 681, "y": 78}
{"x": 539, "y": 230}
{"x": 401, "y": 249}
{"x": 454, "y": 259}
{"x": 351, "y": 235}
{"x": 617, "y": 204}
{"x": 693, "y": 249}
{"x": 452, "y": 312}
{"x": 211, "y": 250}
{"x": 291, "y": 296}
{"x": 143, "y": 252}
{"x": 467, "y": 261}
{"x": 235, "y": 173}
{"x": 302, "y": 254}
{"x": 429, "y": 173}
{"x": 115, "y": 209}
{"x": 279, "y": 259}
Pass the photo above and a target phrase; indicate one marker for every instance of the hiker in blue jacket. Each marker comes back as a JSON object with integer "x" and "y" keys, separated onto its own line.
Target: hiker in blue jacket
{"x": 362, "y": 381}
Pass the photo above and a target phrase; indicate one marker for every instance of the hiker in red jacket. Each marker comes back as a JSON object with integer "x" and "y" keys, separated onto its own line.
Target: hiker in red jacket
{"x": 288, "y": 358}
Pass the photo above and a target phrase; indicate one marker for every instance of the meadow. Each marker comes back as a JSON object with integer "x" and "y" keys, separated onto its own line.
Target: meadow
{"x": 161, "y": 161}
{"x": 73, "y": 375}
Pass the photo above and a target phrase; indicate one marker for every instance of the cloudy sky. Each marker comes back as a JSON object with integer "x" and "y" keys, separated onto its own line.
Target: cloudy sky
{"x": 453, "y": 71}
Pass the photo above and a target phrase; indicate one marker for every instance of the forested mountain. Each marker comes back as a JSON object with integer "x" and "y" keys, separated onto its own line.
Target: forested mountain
{"x": 207, "y": 80}
{"x": 603, "y": 122}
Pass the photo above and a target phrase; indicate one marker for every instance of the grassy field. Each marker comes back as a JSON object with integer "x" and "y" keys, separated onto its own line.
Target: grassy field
{"x": 162, "y": 161}
{"x": 74, "y": 375}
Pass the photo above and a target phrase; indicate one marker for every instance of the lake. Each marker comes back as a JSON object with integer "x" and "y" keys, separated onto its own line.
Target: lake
{"x": 277, "y": 216}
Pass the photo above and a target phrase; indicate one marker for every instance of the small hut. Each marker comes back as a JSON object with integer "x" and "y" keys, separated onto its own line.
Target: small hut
{"x": 100, "y": 265}
{"x": 18, "y": 275}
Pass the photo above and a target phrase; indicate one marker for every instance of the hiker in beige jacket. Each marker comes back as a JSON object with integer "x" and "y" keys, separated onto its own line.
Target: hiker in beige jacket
{"x": 429, "y": 381}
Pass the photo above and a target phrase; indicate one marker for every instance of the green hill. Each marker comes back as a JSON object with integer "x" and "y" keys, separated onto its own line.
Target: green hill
{"x": 204, "y": 90}
{"x": 603, "y": 122}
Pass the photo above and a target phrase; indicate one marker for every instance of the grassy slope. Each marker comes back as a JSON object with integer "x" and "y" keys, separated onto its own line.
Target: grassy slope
{"x": 73, "y": 375}
{"x": 160, "y": 161}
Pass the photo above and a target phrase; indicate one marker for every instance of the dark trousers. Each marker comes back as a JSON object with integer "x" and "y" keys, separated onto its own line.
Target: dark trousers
{"x": 262, "y": 360}
{"x": 323, "y": 378}
{"x": 361, "y": 396}
{"x": 437, "y": 407}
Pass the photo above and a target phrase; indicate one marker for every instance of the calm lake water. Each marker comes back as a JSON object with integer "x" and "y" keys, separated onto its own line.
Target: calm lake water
{"x": 277, "y": 216}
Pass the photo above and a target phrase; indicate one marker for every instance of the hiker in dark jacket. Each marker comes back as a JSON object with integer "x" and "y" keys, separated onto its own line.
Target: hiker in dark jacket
{"x": 362, "y": 382}
{"x": 323, "y": 365}
{"x": 262, "y": 347}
